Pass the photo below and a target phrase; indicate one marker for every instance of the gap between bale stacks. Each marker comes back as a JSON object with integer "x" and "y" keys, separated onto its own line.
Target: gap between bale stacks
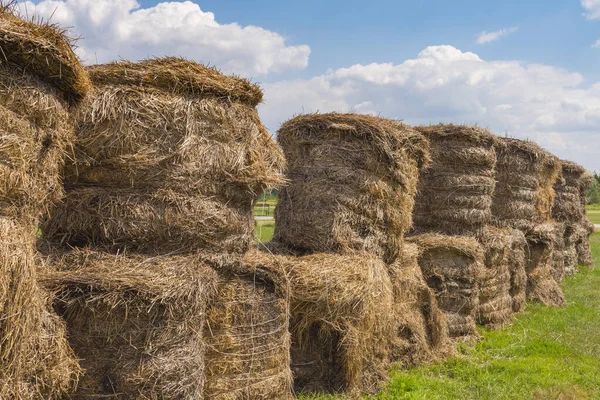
{"x": 352, "y": 183}
{"x": 340, "y": 322}
{"x": 454, "y": 194}
{"x": 452, "y": 267}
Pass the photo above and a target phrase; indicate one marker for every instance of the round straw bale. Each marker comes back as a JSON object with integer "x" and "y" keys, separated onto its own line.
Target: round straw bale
{"x": 452, "y": 267}
{"x": 495, "y": 301}
{"x": 35, "y": 358}
{"x": 44, "y": 50}
{"x": 463, "y": 161}
{"x": 352, "y": 183}
{"x": 422, "y": 328}
{"x": 248, "y": 342}
{"x": 134, "y": 322}
{"x": 518, "y": 274}
{"x": 541, "y": 286}
{"x": 340, "y": 321}
{"x": 149, "y": 220}
{"x": 131, "y": 136}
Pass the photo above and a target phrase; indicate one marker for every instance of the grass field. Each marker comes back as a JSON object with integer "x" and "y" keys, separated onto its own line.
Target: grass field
{"x": 545, "y": 354}
{"x": 264, "y": 230}
{"x": 594, "y": 216}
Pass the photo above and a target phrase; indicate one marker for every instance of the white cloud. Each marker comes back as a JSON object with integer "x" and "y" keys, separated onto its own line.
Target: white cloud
{"x": 547, "y": 104}
{"x": 121, "y": 28}
{"x": 592, "y": 8}
{"x": 597, "y": 44}
{"x": 487, "y": 37}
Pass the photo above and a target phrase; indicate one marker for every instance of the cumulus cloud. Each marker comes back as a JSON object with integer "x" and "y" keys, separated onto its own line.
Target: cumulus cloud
{"x": 487, "y": 37}
{"x": 550, "y": 105}
{"x": 592, "y": 8}
{"x": 121, "y": 28}
{"x": 597, "y": 44}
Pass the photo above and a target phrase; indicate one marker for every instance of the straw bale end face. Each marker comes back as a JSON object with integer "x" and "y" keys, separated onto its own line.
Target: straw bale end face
{"x": 247, "y": 338}
{"x": 133, "y": 322}
{"x": 44, "y": 50}
{"x": 340, "y": 321}
{"x": 352, "y": 183}
{"x": 452, "y": 267}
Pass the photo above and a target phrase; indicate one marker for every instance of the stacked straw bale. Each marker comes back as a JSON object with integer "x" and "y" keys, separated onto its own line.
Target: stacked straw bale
{"x": 341, "y": 323}
{"x": 352, "y": 183}
{"x": 40, "y": 78}
{"x": 523, "y": 199}
{"x": 421, "y": 327}
{"x": 169, "y": 160}
{"x": 517, "y": 266}
{"x": 569, "y": 208}
{"x": 455, "y": 192}
{"x": 453, "y": 266}
{"x": 134, "y": 322}
{"x": 454, "y": 197}
{"x": 541, "y": 286}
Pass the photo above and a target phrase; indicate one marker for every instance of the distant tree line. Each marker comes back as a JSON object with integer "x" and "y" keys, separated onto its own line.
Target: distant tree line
{"x": 594, "y": 195}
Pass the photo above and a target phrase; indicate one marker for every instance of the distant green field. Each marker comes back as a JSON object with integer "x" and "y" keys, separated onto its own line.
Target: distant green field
{"x": 593, "y": 207}
{"x": 546, "y": 353}
{"x": 264, "y": 230}
{"x": 594, "y": 216}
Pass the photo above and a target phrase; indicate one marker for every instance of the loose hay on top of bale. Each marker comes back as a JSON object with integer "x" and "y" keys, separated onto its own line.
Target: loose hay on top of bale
{"x": 135, "y": 322}
{"x": 452, "y": 266}
{"x": 341, "y": 324}
{"x": 36, "y": 361}
{"x": 455, "y": 191}
{"x": 173, "y": 123}
{"x": 421, "y": 327}
{"x": 247, "y": 338}
{"x": 352, "y": 183}
{"x": 524, "y": 193}
{"x": 150, "y": 220}
{"x": 44, "y": 50}
{"x": 541, "y": 286}
{"x": 518, "y": 274}
{"x": 495, "y": 300}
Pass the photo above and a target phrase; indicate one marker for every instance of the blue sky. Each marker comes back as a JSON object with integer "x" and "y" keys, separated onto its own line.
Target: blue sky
{"x": 528, "y": 69}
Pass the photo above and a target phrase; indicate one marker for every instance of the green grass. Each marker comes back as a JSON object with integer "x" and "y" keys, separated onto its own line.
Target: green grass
{"x": 546, "y": 353}
{"x": 593, "y": 207}
{"x": 264, "y": 230}
{"x": 594, "y": 216}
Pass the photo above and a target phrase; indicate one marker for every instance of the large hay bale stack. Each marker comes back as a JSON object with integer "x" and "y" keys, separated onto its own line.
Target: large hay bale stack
{"x": 523, "y": 199}
{"x": 40, "y": 78}
{"x": 352, "y": 183}
{"x": 169, "y": 153}
{"x": 169, "y": 159}
{"x": 340, "y": 321}
{"x": 454, "y": 194}
{"x": 517, "y": 261}
{"x": 134, "y": 322}
{"x": 584, "y": 251}
{"x": 452, "y": 267}
{"x": 421, "y": 327}
{"x": 495, "y": 300}
{"x": 559, "y": 253}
